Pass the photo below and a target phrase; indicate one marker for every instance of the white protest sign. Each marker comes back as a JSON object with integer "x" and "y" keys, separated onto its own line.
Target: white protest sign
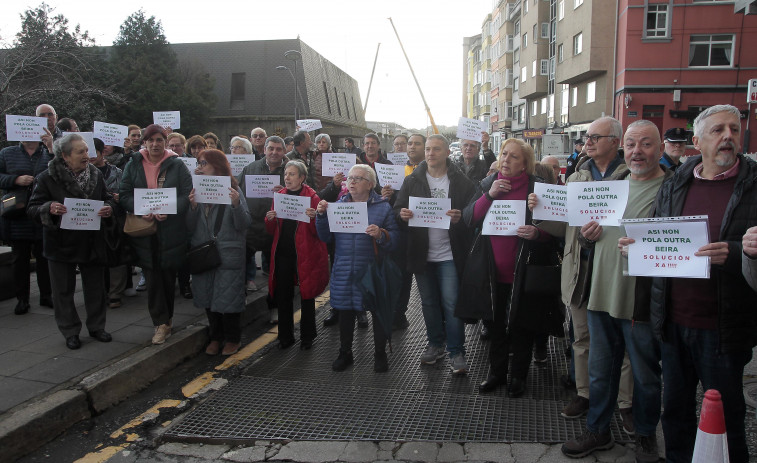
{"x": 154, "y": 201}
{"x": 394, "y": 176}
{"x": 398, "y": 159}
{"x": 504, "y": 217}
{"x": 335, "y": 163}
{"x": 429, "y": 212}
{"x": 553, "y": 202}
{"x": 291, "y": 207}
{"x": 260, "y": 186}
{"x": 111, "y": 134}
{"x": 665, "y": 247}
{"x": 25, "y": 128}
{"x": 309, "y": 125}
{"x": 191, "y": 163}
{"x": 470, "y": 129}
{"x": 239, "y": 161}
{"x": 81, "y": 214}
{"x": 167, "y": 119}
{"x": 212, "y": 189}
{"x": 348, "y": 217}
{"x": 601, "y": 202}
{"x": 89, "y": 139}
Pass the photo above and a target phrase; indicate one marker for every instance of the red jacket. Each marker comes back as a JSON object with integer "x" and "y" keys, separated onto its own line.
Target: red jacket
{"x": 312, "y": 256}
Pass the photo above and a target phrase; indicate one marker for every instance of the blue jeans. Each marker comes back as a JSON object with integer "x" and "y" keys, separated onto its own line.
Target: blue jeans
{"x": 689, "y": 356}
{"x": 438, "y": 288}
{"x": 610, "y": 337}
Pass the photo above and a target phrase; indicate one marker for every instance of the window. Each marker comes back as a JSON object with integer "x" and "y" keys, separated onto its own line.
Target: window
{"x": 336, "y": 98}
{"x": 657, "y": 21}
{"x": 560, "y": 53}
{"x": 574, "y": 101}
{"x": 545, "y": 30}
{"x": 237, "y": 90}
{"x": 326, "y": 92}
{"x": 525, "y": 40}
{"x": 533, "y": 68}
{"x": 517, "y": 28}
{"x": 509, "y": 110}
{"x": 591, "y": 89}
{"x": 516, "y": 55}
{"x": 544, "y": 106}
{"x": 523, "y": 74}
{"x": 534, "y": 107}
{"x": 521, "y": 114}
{"x": 564, "y": 100}
{"x": 354, "y": 111}
{"x": 509, "y": 46}
{"x": 535, "y": 33}
{"x": 551, "y": 107}
{"x": 507, "y": 78}
{"x": 577, "y": 3}
{"x": 346, "y": 105}
{"x": 515, "y": 84}
{"x": 525, "y": 7}
{"x": 711, "y": 50}
{"x": 561, "y": 10}
{"x": 578, "y": 43}
{"x": 544, "y": 67}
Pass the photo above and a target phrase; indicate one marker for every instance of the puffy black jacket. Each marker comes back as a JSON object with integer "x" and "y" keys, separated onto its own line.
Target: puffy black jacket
{"x": 737, "y": 302}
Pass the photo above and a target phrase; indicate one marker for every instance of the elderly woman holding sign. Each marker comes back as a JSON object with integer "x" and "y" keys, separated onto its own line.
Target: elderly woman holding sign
{"x": 219, "y": 289}
{"x": 162, "y": 248}
{"x": 515, "y": 311}
{"x": 353, "y": 252}
{"x": 68, "y": 243}
{"x": 297, "y": 257}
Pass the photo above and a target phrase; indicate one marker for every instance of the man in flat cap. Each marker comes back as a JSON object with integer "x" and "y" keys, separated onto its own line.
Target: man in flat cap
{"x": 675, "y": 146}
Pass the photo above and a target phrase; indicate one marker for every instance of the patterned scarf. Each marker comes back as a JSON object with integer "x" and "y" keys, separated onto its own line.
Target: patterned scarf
{"x": 82, "y": 178}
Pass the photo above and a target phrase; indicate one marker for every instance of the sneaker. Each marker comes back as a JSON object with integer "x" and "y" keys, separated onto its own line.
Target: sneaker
{"x": 114, "y": 303}
{"x": 432, "y": 354}
{"x": 274, "y": 316}
{"x": 251, "y": 286}
{"x": 646, "y": 449}
{"x": 142, "y": 285}
{"x": 626, "y": 415}
{"x": 458, "y": 365}
{"x": 540, "y": 353}
{"x": 577, "y": 408}
{"x": 130, "y": 292}
{"x": 587, "y": 443}
{"x": 162, "y": 333}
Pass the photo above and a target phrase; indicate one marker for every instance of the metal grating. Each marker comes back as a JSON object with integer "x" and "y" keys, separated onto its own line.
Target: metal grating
{"x": 294, "y": 395}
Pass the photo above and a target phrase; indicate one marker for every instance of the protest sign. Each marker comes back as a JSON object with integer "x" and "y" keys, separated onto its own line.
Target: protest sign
{"x": 111, "y": 134}
{"x": 335, "y": 163}
{"x": 25, "y": 128}
{"x": 470, "y": 129}
{"x": 553, "y": 202}
{"x": 601, "y": 202}
{"x": 167, "y": 119}
{"x": 394, "y": 176}
{"x": 504, "y": 217}
{"x": 212, "y": 189}
{"x": 398, "y": 159}
{"x": 429, "y": 212}
{"x": 260, "y": 186}
{"x": 291, "y": 207}
{"x": 348, "y": 217}
{"x": 191, "y": 163}
{"x": 154, "y": 201}
{"x": 239, "y": 161}
{"x": 81, "y": 214}
{"x": 308, "y": 125}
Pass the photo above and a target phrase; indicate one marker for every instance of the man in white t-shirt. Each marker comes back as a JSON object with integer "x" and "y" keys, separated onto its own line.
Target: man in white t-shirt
{"x": 437, "y": 256}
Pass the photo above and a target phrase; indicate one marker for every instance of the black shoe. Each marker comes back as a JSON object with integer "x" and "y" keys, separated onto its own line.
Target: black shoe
{"x": 306, "y": 344}
{"x": 21, "y": 307}
{"x": 332, "y": 319}
{"x": 567, "y": 382}
{"x": 186, "y": 292}
{"x": 492, "y": 382}
{"x": 400, "y": 322}
{"x": 380, "y": 362}
{"x": 286, "y": 344}
{"x": 72, "y": 342}
{"x": 343, "y": 361}
{"x": 541, "y": 353}
{"x": 485, "y": 335}
{"x": 101, "y": 335}
{"x": 362, "y": 320}
{"x": 46, "y": 301}
{"x": 517, "y": 388}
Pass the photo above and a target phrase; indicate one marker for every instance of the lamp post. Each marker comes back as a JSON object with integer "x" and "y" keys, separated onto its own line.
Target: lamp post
{"x": 294, "y": 55}
{"x": 284, "y": 68}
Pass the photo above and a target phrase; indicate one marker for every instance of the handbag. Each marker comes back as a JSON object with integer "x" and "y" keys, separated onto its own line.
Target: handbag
{"x": 543, "y": 277}
{"x": 14, "y": 203}
{"x": 205, "y": 256}
{"x": 477, "y": 292}
{"x": 136, "y": 226}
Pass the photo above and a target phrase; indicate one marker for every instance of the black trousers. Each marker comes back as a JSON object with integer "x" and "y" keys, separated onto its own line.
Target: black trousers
{"x": 95, "y": 300}
{"x": 21, "y": 252}
{"x": 160, "y": 293}
{"x": 224, "y": 326}
{"x": 347, "y": 331}
{"x": 519, "y": 341}
{"x": 286, "y": 270}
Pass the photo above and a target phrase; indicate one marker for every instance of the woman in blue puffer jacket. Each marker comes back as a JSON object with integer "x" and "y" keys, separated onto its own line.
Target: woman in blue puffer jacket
{"x": 353, "y": 253}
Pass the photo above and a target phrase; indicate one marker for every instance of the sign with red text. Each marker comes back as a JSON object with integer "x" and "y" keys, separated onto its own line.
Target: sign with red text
{"x": 111, "y": 134}
{"x": 81, "y": 214}
{"x": 212, "y": 189}
{"x": 429, "y": 212}
{"x": 348, "y": 217}
{"x": 601, "y": 202}
{"x": 167, "y": 119}
{"x": 470, "y": 129}
{"x": 504, "y": 217}
{"x": 553, "y": 202}
{"x": 154, "y": 201}
{"x": 25, "y": 128}
{"x": 751, "y": 94}
{"x": 291, "y": 207}
{"x": 261, "y": 186}
{"x": 336, "y": 163}
{"x": 665, "y": 247}
{"x": 394, "y": 176}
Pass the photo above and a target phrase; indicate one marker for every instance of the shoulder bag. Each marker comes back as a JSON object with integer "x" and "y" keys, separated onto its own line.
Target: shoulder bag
{"x": 136, "y": 226}
{"x": 205, "y": 256}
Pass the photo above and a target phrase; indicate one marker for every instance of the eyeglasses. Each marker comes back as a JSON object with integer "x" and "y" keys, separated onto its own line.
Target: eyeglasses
{"x": 258, "y": 135}
{"x": 469, "y": 145}
{"x": 202, "y": 163}
{"x": 237, "y": 147}
{"x": 355, "y": 179}
{"x": 595, "y": 138}
{"x": 46, "y": 114}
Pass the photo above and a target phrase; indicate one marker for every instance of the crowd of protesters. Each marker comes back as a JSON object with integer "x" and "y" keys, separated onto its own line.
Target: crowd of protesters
{"x": 627, "y": 333}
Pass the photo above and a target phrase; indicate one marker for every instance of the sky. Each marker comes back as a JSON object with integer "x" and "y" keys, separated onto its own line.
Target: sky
{"x": 346, "y": 33}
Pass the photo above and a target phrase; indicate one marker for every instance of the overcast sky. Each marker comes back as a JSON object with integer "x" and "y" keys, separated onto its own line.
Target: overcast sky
{"x": 345, "y": 32}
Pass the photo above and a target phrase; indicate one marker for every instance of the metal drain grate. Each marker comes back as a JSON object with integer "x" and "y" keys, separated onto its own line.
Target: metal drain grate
{"x": 295, "y": 395}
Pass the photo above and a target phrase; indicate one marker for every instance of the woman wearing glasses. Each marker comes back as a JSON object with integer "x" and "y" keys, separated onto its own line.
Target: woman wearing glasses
{"x": 353, "y": 252}
{"x": 298, "y": 257}
{"x": 240, "y": 145}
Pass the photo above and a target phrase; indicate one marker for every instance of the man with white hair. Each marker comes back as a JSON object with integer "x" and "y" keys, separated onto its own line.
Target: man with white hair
{"x": 47, "y": 111}
{"x": 258, "y": 137}
{"x": 708, "y": 327}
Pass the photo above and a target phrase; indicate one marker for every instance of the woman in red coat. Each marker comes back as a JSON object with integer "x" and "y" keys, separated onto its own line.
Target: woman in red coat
{"x": 298, "y": 257}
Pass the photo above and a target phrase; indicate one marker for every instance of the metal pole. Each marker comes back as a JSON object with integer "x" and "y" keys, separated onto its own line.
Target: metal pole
{"x": 745, "y": 147}
{"x": 431, "y": 118}
{"x": 370, "y": 84}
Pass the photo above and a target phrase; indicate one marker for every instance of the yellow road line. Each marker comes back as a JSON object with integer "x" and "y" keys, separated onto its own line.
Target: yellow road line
{"x": 194, "y": 386}
{"x": 154, "y": 410}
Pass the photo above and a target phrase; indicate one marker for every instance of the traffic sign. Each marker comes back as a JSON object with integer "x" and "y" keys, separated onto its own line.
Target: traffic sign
{"x": 751, "y": 96}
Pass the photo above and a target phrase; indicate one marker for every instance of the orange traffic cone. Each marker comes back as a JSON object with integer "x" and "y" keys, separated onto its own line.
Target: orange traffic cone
{"x": 712, "y": 444}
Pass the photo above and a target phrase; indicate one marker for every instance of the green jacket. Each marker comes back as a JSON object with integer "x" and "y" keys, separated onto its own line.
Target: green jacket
{"x": 172, "y": 237}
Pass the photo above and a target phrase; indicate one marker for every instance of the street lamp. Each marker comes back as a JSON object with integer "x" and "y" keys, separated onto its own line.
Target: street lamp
{"x": 284, "y": 68}
{"x": 294, "y": 55}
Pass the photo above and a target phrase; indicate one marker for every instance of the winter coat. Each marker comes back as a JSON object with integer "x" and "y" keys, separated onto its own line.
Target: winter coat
{"x": 477, "y": 171}
{"x": 737, "y": 302}
{"x": 221, "y": 289}
{"x": 257, "y": 238}
{"x": 353, "y": 252}
{"x": 15, "y": 162}
{"x": 172, "y": 236}
{"x": 312, "y": 257}
{"x": 62, "y": 245}
{"x": 461, "y": 190}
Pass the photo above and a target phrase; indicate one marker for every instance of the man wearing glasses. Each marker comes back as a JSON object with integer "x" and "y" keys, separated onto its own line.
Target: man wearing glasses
{"x": 258, "y": 137}
{"x": 45, "y": 110}
{"x": 470, "y": 163}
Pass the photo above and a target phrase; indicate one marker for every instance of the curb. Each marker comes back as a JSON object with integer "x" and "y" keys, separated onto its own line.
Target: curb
{"x": 47, "y": 416}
